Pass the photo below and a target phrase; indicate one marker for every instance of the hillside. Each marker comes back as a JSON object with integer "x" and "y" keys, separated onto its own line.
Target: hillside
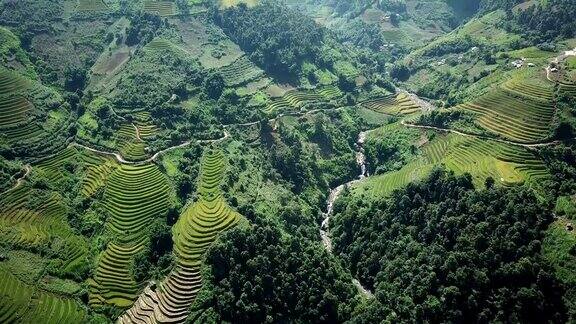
{"x": 280, "y": 161}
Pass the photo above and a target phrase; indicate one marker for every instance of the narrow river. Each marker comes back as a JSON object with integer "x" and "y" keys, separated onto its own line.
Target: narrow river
{"x": 334, "y": 194}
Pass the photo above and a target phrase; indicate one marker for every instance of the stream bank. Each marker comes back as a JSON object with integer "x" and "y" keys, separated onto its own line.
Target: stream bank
{"x": 333, "y": 196}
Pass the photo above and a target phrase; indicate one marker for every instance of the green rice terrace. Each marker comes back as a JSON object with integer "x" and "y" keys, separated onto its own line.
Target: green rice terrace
{"x": 396, "y": 105}
{"x": 161, "y": 8}
{"x": 240, "y": 72}
{"x": 283, "y": 161}
{"x": 23, "y": 303}
{"x": 134, "y": 196}
{"x": 521, "y": 110}
{"x": 507, "y": 164}
{"x": 92, "y": 6}
{"x": 197, "y": 228}
{"x": 300, "y": 100}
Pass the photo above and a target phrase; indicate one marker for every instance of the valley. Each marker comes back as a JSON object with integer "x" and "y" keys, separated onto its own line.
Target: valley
{"x": 277, "y": 161}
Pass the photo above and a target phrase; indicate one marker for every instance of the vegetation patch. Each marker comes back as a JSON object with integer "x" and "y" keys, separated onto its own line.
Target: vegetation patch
{"x": 135, "y": 196}
{"x": 518, "y": 110}
{"x": 22, "y": 303}
{"x": 394, "y": 105}
{"x": 197, "y": 228}
{"x": 506, "y": 164}
{"x": 161, "y": 8}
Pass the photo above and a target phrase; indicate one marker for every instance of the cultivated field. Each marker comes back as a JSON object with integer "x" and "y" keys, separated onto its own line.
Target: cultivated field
{"x": 519, "y": 110}
{"x": 134, "y": 196}
{"x": 13, "y": 106}
{"x": 92, "y": 6}
{"x": 23, "y": 303}
{"x": 240, "y": 72}
{"x": 196, "y": 229}
{"x": 161, "y": 8}
{"x": 297, "y": 100}
{"x": 395, "y": 105}
{"x": 507, "y": 164}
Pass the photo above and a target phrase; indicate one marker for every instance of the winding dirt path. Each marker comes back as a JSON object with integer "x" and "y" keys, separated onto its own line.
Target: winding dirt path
{"x": 137, "y": 132}
{"x": 20, "y": 180}
{"x": 154, "y": 157}
{"x": 448, "y": 130}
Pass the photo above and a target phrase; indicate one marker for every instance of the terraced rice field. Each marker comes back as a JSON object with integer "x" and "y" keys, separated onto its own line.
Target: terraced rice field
{"x": 13, "y": 111}
{"x": 10, "y": 82}
{"x": 507, "y": 164}
{"x": 134, "y": 196}
{"x": 568, "y": 88}
{"x": 92, "y": 6}
{"x": 518, "y": 110}
{"x": 397, "y": 105}
{"x": 113, "y": 283}
{"x": 20, "y": 133}
{"x": 196, "y": 229}
{"x": 161, "y": 8}
{"x": 146, "y": 127}
{"x": 97, "y": 172}
{"x": 330, "y": 92}
{"x": 51, "y": 168}
{"x": 294, "y": 101}
{"x": 29, "y": 133}
{"x": 385, "y": 184}
{"x": 13, "y": 106}
{"x": 240, "y": 72}
{"x": 97, "y": 169}
{"x": 159, "y": 44}
{"x": 45, "y": 226}
{"x": 131, "y": 148}
{"x": 21, "y": 303}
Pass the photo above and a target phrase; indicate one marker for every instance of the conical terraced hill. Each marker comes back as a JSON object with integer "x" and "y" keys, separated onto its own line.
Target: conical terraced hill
{"x": 135, "y": 196}
{"x": 196, "y": 229}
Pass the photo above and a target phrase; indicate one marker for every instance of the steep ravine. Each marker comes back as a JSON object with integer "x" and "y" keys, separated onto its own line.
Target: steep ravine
{"x": 334, "y": 194}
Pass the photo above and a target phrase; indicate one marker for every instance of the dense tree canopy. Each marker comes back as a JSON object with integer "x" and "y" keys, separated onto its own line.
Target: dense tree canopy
{"x": 544, "y": 22}
{"x": 259, "y": 276}
{"x": 277, "y": 38}
{"x": 441, "y": 251}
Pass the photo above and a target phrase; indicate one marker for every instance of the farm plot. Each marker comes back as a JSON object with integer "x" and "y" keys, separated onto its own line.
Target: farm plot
{"x": 97, "y": 170}
{"x": 19, "y": 132}
{"x": 21, "y": 303}
{"x": 160, "y": 8}
{"x": 113, "y": 283}
{"x": 146, "y": 127}
{"x": 330, "y": 92}
{"x": 196, "y": 229}
{"x": 13, "y": 111}
{"x": 134, "y": 196}
{"x": 51, "y": 168}
{"x": 10, "y": 82}
{"x": 92, "y": 6}
{"x": 507, "y": 164}
{"x": 567, "y": 87}
{"x": 397, "y": 105}
{"x": 130, "y": 146}
{"x": 13, "y": 106}
{"x": 159, "y": 44}
{"x": 240, "y": 72}
{"x": 294, "y": 101}
{"x": 41, "y": 227}
{"x": 384, "y": 185}
{"x": 518, "y": 111}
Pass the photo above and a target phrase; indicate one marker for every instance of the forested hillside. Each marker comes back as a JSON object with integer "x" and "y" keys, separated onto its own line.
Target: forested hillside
{"x": 283, "y": 161}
